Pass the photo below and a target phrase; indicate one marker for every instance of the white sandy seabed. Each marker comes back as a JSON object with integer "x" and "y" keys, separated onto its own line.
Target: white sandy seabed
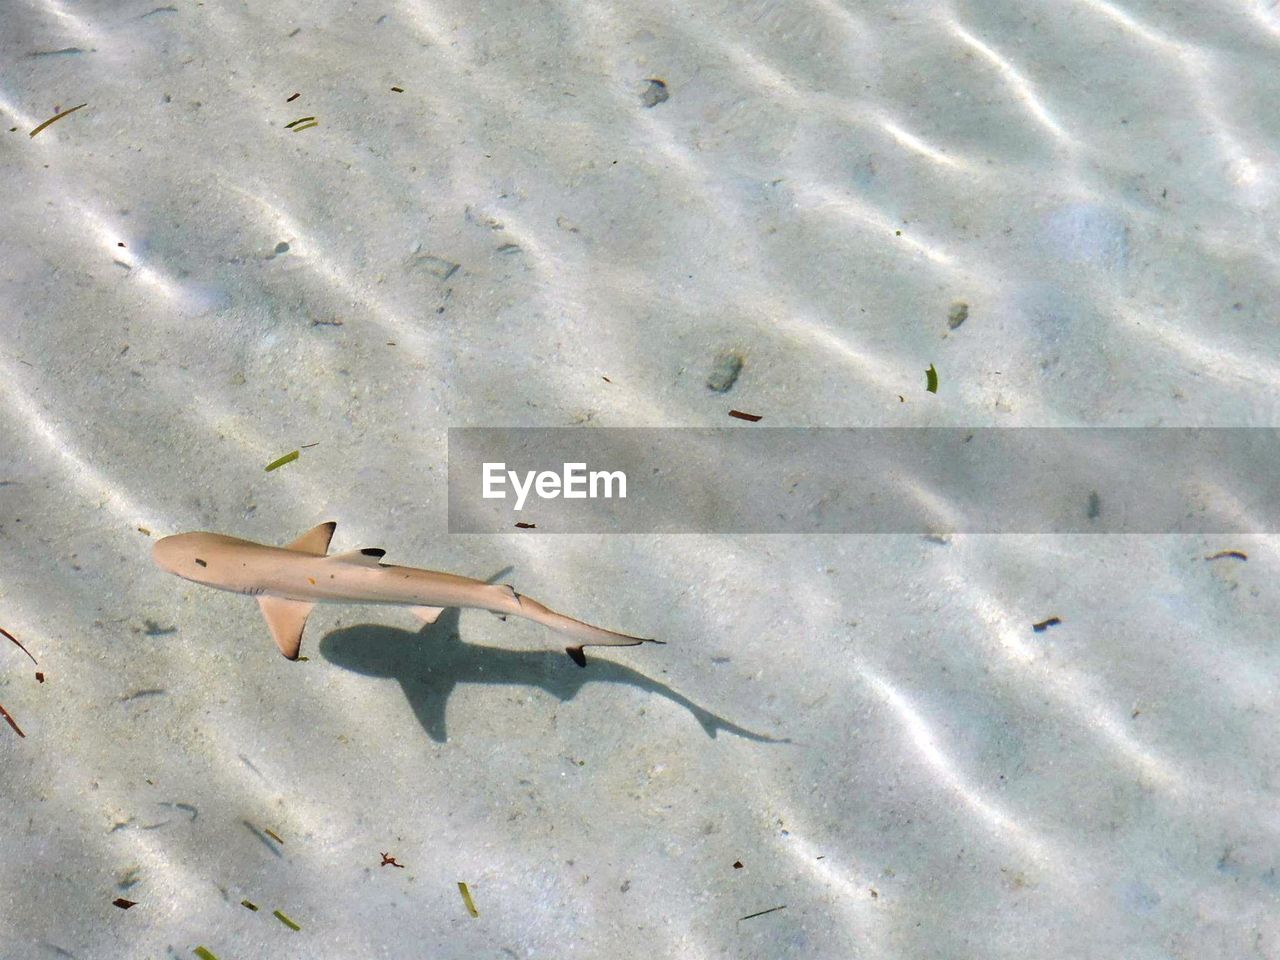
{"x": 191, "y": 288}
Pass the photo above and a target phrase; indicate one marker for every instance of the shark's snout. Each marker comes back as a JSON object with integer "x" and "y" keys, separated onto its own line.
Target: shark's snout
{"x": 178, "y": 554}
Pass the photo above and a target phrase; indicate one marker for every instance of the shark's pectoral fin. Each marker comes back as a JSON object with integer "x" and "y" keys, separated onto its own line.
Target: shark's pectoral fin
{"x": 286, "y": 620}
{"x": 315, "y": 541}
{"x": 427, "y": 614}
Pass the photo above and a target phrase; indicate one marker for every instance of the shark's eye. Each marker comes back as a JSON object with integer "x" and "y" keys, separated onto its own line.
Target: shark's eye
{"x": 200, "y": 562}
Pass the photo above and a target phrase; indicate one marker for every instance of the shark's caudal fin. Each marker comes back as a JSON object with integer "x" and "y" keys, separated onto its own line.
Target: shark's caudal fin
{"x": 286, "y": 619}
{"x": 315, "y": 541}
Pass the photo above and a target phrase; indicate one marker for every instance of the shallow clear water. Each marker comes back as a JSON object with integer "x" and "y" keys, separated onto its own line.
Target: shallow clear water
{"x": 869, "y": 725}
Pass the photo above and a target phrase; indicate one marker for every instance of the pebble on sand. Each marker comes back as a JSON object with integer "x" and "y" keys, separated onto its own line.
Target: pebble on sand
{"x": 724, "y": 371}
{"x": 655, "y": 93}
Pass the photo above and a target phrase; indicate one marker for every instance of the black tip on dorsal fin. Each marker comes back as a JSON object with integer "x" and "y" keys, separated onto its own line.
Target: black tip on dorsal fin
{"x": 576, "y": 655}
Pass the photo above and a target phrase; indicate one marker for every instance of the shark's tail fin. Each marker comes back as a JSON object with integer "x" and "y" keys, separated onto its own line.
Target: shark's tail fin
{"x": 585, "y": 633}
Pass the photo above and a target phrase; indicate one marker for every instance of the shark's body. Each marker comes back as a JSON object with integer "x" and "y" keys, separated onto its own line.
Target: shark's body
{"x": 289, "y": 581}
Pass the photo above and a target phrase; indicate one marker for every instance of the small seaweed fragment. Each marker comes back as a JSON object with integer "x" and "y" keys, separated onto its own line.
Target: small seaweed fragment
{"x": 737, "y": 864}
{"x": 931, "y": 379}
{"x": 287, "y": 458}
{"x": 56, "y": 116}
{"x": 752, "y": 916}
{"x": 249, "y": 905}
{"x": 272, "y": 834}
{"x": 397, "y": 89}
{"x": 204, "y": 953}
{"x": 308, "y": 446}
{"x": 466, "y": 899}
{"x": 39, "y": 676}
{"x": 306, "y": 126}
{"x": 389, "y": 861}
{"x": 750, "y": 417}
{"x": 148, "y": 692}
{"x": 285, "y": 920}
{"x": 1044, "y": 625}
{"x": 293, "y": 98}
{"x": 123, "y": 904}
{"x": 521, "y": 525}
{"x": 13, "y": 723}
{"x": 1233, "y": 554}
{"x": 20, "y": 646}
{"x": 294, "y": 123}
{"x": 606, "y": 379}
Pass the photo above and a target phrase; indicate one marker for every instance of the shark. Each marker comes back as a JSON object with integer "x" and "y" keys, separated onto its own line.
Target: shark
{"x": 289, "y": 581}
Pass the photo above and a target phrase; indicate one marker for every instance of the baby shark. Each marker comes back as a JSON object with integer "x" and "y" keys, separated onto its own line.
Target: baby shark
{"x": 289, "y": 581}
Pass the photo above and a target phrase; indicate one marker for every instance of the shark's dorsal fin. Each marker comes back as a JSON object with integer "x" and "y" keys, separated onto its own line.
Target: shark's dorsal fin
{"x": 368, "y": 557}
{"x": 286, "y": 620}
{"x": 315, "y": 541}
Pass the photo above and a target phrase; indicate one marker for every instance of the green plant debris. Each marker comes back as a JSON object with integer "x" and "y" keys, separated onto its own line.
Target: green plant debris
{"x": 285, "y": 920}
{"x": 272, "y": 834}
{"x": 249, "y": 905}
{"x": 931, "y": 379}
{"x": 204, "y": 953}
{"x": 466, "y": 899}
{"x": 307, "y": 126}
{"x": 1044, "y": 625}
{"x": 287, "y": 458}
{"x": 56, "y": 116}
{"x": 294, "y": 123}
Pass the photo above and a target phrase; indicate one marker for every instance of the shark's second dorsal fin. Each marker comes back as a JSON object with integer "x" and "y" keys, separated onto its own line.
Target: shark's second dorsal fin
{"x": 286, "y": 620}
{"x": 315, "y": 541}
{"x": 368, "y": 557}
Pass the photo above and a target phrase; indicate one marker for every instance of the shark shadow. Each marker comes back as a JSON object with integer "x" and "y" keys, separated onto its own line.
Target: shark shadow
{"x": 428, "y": 664}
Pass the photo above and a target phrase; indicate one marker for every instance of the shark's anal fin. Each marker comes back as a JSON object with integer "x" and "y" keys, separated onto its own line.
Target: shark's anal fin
{"x": 315, "y": 541}
{"x": 427, "y": 614}
{"x": 286, "y": 620}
